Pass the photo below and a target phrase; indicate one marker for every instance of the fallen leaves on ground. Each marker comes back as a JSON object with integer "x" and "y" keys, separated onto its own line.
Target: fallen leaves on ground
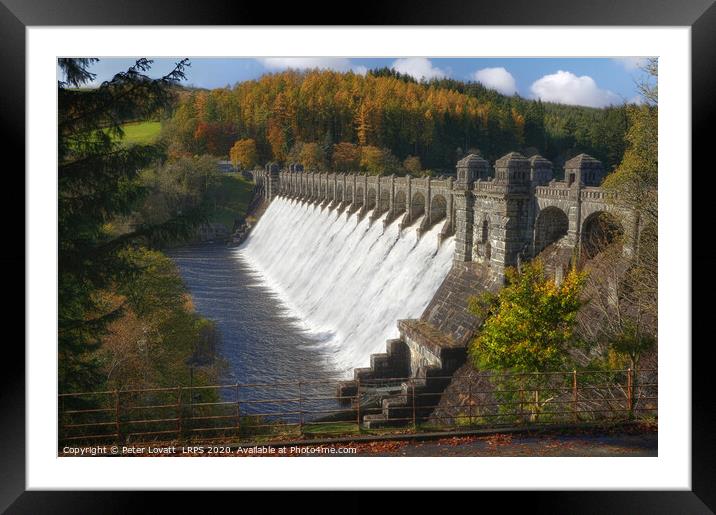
{"x": 499, "y": 439}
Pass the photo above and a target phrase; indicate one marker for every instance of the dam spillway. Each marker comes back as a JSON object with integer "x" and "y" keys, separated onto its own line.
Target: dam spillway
{"x": 346, "y": 281}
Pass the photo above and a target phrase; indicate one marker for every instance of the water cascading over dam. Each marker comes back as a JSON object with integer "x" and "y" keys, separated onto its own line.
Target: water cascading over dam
{"x": 350, "y": 282}
{"x": 347, "y": 280}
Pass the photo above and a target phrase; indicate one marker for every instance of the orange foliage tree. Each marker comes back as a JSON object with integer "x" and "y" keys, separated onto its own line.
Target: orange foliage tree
{"x": 244, "y": 154}
{"x": 312, "y": 157}
{"x": 346, "y": 157}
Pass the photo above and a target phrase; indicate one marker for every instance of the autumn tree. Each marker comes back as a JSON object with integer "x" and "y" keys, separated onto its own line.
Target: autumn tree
{"x": 636, "y": 183}
{"x": 519, "y": 121}
{"x": 530, "y": 326}
{"x": 378, "y": 161}
{"x": 346, "y": 157}
{"x": 648, "y": 85}
{"x": 616, "y": 329}
{"x": 412, "y": 165}
{"x": 623, "y": 314}
{"x": 277, "y": 140}
{"x": 214, "y": 137}
{"x": 158, "y": 331}
{"x": 364, "y": 128}
{"x": 312, "y": 157}
{"x": 175, "y": 186}
{"x": 243, "y": 154}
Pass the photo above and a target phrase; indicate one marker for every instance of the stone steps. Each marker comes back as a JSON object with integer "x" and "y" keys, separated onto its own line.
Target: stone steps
{"x": 404, "y": 384}
{"x": 415, "y": 402}
{"x": 384, "y": 367}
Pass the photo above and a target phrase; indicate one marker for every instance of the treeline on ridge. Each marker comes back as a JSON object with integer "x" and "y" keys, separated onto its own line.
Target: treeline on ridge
{"x": 383, "y": 118}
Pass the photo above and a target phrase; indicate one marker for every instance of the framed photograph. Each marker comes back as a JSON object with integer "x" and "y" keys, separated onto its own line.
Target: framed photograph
{"x": 425, "y": 235}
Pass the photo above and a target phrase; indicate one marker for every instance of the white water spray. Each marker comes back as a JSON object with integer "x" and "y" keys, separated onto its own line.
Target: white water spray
{"x": 347, "y": 281}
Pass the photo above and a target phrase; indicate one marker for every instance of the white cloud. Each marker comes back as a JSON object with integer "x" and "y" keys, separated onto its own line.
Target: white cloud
{"x": 338, "y": 64}
{"x": 636, "y": 99}
{"x": 566, "y": 88}
{"x": 418, "y": 68}
{"x": 498, "y": 79}
{"x": 630, "y": 63}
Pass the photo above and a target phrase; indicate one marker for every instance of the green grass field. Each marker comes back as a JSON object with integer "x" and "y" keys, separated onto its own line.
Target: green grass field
{"x": 141, "y": 133}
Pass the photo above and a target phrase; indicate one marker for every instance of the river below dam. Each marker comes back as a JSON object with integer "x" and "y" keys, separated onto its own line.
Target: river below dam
{"x": 312, "y": 293}
{"x": 260, "y": 341}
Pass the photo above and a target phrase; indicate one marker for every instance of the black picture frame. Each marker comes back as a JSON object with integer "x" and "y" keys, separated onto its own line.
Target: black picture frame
{"x": 700, "y": 15}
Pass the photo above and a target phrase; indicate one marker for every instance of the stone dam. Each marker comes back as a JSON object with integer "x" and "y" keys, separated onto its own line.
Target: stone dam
{"x": 493, "y": 217}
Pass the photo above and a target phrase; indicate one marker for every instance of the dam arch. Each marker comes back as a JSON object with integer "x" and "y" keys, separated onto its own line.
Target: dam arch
{"x": 370, "y": 199}
{"x": 552, "y": 225}
{"x": 600, "y": 230}
{"x": 358, "y": 201}
{"x": 399, "y": 202}
{"x": 438, "y": 209}
{"x": 417, "y": 206}
{"x": 384, "y": 200}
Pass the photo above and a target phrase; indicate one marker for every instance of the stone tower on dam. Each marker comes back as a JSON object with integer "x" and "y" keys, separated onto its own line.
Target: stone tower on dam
{"x": 499, "y": 215}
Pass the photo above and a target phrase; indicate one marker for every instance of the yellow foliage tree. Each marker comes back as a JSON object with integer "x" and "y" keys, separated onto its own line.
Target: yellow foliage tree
{"x": 378, "y": 161}
{"x": 243, "y": 153}
{"x": 530, "y": 324}
{"x": 277, "y": 141}
{"x": 312, "y": 157}
{"x": 363, "y": 125}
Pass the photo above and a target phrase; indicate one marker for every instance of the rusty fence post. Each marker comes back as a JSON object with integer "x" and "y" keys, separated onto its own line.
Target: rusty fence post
{"x": 300, "y": 409}
{"x": 62, "y": 422}
{"x": 630, "y": 394}
{"x": 116, "y": 417}
{"x": 574, "y": 396}
{"x": 238, "y": 412}
{"x": 522, "y": 398}
{"x": 358, "y": 403}
{"x": 412, "y": 387}
{"x": 180, "y": 415}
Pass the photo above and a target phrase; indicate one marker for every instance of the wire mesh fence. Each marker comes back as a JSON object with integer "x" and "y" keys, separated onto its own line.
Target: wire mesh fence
{"x": 266, "y": 412}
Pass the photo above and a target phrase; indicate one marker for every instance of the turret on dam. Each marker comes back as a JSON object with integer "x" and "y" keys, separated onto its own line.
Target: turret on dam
{"x": 499, "y": 216}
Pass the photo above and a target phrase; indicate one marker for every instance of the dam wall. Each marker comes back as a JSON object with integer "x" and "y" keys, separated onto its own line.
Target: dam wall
{"x": 500, "y": 215}
{"x": 495, "y": 217}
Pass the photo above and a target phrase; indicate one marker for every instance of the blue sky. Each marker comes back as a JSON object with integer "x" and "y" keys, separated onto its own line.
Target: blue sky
{"x": 595, "y": 82}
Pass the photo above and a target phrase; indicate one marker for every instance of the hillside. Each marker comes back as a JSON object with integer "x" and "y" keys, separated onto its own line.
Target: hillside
{"x": 438, "y": 121}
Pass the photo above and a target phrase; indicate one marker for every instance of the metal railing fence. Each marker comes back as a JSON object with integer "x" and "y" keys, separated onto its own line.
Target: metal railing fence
{"x": 265, "y": 412}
